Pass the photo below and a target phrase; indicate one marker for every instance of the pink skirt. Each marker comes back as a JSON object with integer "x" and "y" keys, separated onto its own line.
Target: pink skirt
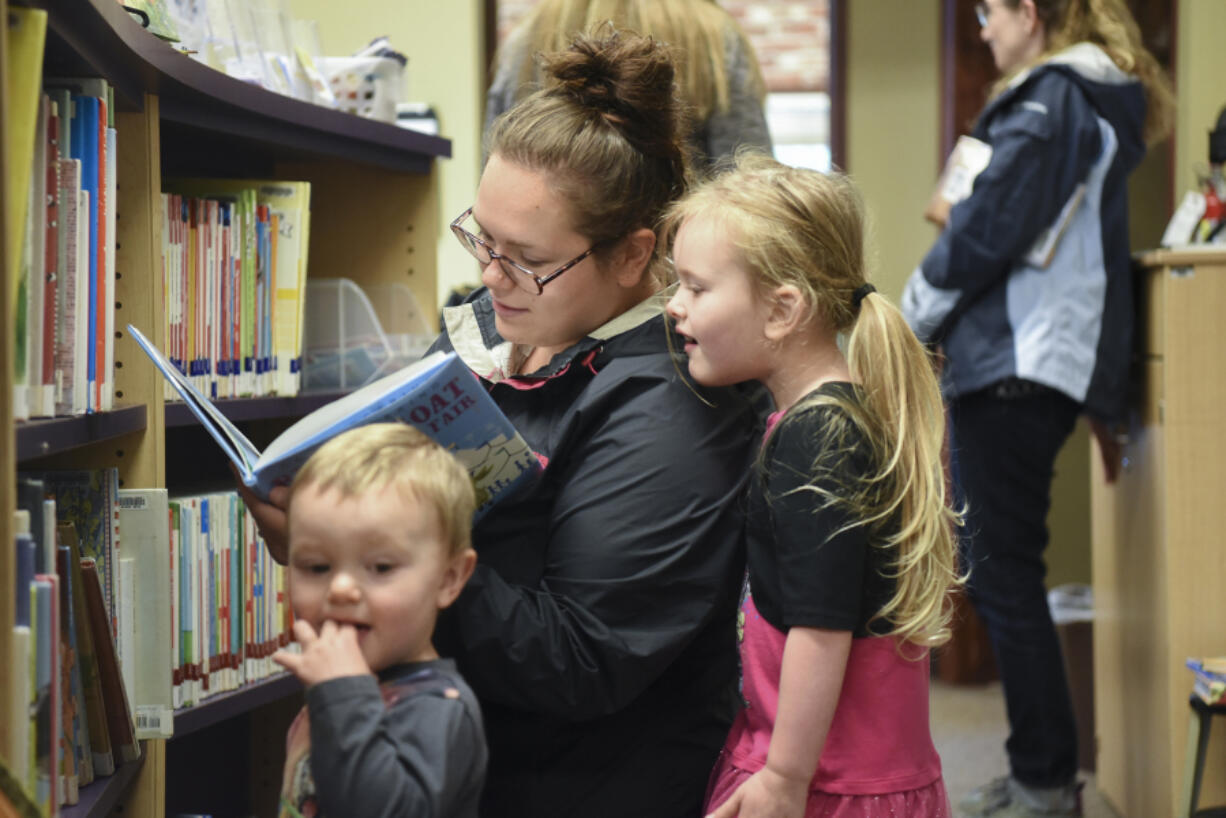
{"x": 930, "y": 801}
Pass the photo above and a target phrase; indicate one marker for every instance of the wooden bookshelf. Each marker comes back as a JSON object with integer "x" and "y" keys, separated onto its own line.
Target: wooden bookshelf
{"x": 373, "y": 218}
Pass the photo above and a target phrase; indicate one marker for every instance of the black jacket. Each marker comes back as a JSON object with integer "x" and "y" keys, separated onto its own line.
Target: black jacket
{"x": 598, "y": 628}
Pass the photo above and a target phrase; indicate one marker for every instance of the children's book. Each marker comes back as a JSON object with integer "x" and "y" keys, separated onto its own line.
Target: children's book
{"x": 968, "y": 158}
{"x": 119, "y": 724}
{"x": 438, "y": 394}
{"x": 1209, "y": 680}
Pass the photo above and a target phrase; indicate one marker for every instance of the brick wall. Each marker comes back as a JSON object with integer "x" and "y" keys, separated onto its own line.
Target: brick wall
{"x": 791, "y": 37}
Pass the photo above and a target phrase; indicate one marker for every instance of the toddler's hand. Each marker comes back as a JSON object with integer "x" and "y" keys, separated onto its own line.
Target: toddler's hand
{"x": 766, "y": 794}
{"x": 332, "y": 653}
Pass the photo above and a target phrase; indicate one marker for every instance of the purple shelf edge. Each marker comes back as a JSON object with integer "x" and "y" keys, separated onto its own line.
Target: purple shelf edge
{"x": 40, "y": 438}
{"x": 101, "y": 796}
{"x": 233, "y": 703}
{"x": 241, "y": 409}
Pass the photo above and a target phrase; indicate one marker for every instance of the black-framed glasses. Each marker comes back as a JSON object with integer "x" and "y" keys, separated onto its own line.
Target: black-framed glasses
{"x": 982, "y": 12}
{"x": 524, "y": 278}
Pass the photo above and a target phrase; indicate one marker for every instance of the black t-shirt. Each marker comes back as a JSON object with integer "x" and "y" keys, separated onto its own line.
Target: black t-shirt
{"x": 810, "y": 564}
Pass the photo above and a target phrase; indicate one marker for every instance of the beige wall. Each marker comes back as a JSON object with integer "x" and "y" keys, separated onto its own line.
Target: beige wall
{"x": 446, "y": 68}
{"x": 1201, "y": 89}
{"x": 893, "y": 105}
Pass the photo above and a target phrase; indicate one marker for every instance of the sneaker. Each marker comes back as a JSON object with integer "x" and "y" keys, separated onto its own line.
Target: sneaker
{"x": 1006, "y": 797}
{"x": 986, "y": 798}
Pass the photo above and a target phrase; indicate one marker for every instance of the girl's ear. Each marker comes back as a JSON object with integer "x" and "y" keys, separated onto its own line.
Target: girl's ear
{"x": 787, "y": 310}
{"x": 634, "y": 255}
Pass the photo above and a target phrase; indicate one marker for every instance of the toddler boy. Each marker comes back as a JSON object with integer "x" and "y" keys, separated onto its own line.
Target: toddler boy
{"x": 380, "y": 519}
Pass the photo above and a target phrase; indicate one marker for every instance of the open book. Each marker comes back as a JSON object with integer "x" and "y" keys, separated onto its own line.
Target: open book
{"x": 437, "y": 394}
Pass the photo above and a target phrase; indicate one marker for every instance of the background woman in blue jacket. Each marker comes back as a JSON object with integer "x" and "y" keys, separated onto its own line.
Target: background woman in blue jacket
{"x": 1031, "y": 343}
{"x": 598, "y": 628}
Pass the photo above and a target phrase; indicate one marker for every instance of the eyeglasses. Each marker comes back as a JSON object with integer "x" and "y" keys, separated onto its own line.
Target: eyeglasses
{"x": 524, "y": 278}
{"x": 983, "y": 11}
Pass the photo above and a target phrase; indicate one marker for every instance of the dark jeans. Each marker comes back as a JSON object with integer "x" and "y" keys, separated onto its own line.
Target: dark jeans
{"x": 1005, "y": 441}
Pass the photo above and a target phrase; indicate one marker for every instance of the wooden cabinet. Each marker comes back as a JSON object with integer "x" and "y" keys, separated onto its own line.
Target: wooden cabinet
{"x": 1159, "y": 560}
{"x": 374, "y": 218}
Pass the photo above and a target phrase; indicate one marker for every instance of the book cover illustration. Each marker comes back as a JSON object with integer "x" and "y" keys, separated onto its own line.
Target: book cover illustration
{"x": 437, "y": 394}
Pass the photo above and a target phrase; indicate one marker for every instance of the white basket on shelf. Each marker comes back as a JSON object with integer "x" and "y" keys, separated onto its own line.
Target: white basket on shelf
{"x": 369, "y": 86}
{"x": 344, "y": 343}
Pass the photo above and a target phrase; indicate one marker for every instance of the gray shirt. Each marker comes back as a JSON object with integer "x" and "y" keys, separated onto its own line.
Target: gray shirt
{"x": 410, "y": 743}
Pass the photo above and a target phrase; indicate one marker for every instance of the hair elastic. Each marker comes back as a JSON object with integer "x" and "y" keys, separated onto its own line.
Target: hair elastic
{"x": 860, "y": 293}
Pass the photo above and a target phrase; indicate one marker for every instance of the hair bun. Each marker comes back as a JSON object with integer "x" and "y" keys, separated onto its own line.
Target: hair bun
{"x": 626, "y": 78}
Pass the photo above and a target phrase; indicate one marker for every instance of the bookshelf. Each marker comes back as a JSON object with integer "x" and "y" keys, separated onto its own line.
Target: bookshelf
{"x": 1158, "y": 564}
{"x": 373, "y": 218}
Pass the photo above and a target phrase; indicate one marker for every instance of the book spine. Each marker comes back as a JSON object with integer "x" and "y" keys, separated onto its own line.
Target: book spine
{"x": 52, "y": 263}
{"x": 115, "y": 698}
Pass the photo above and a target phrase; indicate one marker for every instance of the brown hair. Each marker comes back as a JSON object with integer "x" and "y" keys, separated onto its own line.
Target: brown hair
{"x": 1109, "y": 25}
{"x": 379, "y": 455}
{"x": 609, "y": 130}
{"x": 792, "y": 226}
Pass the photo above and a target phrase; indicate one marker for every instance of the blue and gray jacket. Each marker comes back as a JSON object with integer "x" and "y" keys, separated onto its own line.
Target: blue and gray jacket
{"x": 1074, "y": 121}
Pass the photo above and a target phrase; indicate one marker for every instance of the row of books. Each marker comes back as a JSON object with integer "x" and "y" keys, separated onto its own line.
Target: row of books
{"x": 65, "y": 300}
{"x": 234, "y": 265}
{"x": 130, "y": 604}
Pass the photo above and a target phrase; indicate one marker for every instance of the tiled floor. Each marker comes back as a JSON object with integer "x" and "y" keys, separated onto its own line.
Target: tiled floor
{"x": 969, "y": 730}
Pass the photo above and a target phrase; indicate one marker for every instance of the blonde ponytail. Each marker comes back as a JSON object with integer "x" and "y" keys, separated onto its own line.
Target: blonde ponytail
{"x": 904, "y": 416}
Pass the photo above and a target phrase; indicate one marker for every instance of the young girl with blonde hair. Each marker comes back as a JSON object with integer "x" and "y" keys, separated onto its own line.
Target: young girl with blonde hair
{"x": 850, "y": 537}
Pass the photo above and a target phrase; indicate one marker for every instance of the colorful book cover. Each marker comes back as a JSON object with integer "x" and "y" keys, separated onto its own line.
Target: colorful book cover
{"x": 437, "y": 394}
{"x": 84, "y": 497}
{"x": 114, "y": 697}
{"x": 102, "y": 758}
{"x": 76, "y": 727}
{"x": 161, "y": 23}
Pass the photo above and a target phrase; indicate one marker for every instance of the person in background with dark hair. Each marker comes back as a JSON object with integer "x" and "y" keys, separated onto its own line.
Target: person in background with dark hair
{"x": 717, "y": 71}
{"x": 1035, "y": 333}
{"x": 598, "y": 629}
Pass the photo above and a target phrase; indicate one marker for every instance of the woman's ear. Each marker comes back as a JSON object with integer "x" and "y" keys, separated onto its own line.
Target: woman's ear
{"x": 634, "y": 254}
{"x": 786, "y": 311}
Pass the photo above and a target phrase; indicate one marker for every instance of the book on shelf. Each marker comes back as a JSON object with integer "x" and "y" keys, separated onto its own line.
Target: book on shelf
{"x": 76, "y": 728}
{"x": 27, "y": 30}
{"x": 144, "y": 521}
{"x": 96, "y": 734}
{"x": 253, "y": 288}
{"x": 1209, "y": 678}
{"x": 49, "y": 787}
{"x": 15, "y": 801}
{"x": 21, "y": 730}
{"x": 119, "y": 725}
{"x": 437, "y": 394}
{"x": 87, "y": 498}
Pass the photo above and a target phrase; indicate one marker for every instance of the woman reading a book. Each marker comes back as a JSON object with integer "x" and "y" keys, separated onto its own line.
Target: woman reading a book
{"x": 1028, "y": 293}
{"x": 598, "y": 627}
